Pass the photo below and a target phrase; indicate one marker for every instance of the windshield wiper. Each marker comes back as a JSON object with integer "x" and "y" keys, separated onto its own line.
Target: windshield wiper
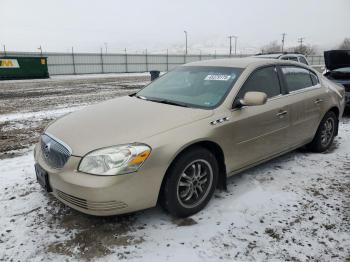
{"x": 141, "y": 97}
{"x": 168, "y": 102}
{"x": 162, "y": 101}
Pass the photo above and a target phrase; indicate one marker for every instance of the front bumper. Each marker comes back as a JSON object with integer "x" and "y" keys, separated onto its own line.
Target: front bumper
{"x": 102, "y": 195}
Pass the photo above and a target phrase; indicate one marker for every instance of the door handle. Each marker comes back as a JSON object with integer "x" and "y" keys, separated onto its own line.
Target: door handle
{"x": 281, "y": 113}
{"x": 317, "y": 101}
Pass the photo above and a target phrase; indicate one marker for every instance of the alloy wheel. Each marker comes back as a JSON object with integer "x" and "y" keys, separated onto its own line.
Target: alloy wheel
{"x": 194, "y": 183}
{"x": 327, "y": 132}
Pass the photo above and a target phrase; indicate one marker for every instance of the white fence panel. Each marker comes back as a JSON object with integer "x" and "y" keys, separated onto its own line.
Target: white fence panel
{"x": 92, "y": 63}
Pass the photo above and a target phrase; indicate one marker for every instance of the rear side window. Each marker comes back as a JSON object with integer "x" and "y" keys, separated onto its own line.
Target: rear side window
{"x": 262, "y": 80}
{"x": 292, "y": 58}
{"x": 296, "y": 78}
{"x": 303, "y": 60}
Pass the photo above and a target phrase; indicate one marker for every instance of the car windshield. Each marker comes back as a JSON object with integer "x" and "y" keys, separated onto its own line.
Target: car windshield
{"x": 342, "y": 70}
{"x": 192, "y": 86}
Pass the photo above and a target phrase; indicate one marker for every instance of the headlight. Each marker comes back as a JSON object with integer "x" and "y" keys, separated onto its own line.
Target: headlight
{"x": 115, "y": 160}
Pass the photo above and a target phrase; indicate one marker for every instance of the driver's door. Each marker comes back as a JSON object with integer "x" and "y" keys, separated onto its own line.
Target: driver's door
{"x": 258, "y": 132}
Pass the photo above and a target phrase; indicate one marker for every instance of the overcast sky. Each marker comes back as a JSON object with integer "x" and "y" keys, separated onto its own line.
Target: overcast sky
{"x": 87, "y": 25}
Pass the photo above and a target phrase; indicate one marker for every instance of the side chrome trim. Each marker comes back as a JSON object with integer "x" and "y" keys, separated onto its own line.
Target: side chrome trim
{"x": 220, "y": 120}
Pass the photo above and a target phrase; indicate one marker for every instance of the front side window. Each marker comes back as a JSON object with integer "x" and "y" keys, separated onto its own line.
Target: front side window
{"x": 193, "y": 86}
{"x": 303, "y": 60}
{"x": 296, "y": 78}
{"x": 314, "y": 78}
{"x": 262, "y": 80}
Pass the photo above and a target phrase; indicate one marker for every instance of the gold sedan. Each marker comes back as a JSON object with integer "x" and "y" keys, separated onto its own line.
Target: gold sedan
{"x": 178, "y": 139}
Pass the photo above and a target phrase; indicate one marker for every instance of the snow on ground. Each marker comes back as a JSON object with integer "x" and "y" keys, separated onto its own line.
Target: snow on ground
{"x": 296, "y": 207}
{"x": 27, "y": 106}
{"x": 40, "y": 115}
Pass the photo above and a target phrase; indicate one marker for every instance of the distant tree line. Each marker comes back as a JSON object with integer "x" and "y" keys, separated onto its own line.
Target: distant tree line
{"x": 305, "y": 49}
{"x": 345, "y": 44}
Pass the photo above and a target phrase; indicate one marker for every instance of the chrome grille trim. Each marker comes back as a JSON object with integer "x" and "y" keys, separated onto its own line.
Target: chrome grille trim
{"x": 90, "y": 205}
{"x": 55, "y": 153}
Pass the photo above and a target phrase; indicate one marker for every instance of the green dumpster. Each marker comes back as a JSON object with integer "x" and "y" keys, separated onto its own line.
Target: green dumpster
{"x": 14, "y": 67}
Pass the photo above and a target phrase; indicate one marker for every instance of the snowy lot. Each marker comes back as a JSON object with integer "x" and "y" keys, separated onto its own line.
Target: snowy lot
{"x": 296, "y": 207}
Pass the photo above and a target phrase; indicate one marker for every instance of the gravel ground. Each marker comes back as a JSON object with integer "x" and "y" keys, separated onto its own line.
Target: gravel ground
{"x": 293, "y": 208}
{"x": 26, "y": 107}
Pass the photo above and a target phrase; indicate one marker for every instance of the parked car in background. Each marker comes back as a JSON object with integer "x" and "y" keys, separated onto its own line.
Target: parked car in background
{"x": 296, "y": 57}
{"x": 338, "y": 69}
{"x": 181, "y": 136}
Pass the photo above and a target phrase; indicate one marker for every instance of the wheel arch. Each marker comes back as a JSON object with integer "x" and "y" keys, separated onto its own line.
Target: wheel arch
{"x": 214, "y": 148}
{"x": 336, "y": 111}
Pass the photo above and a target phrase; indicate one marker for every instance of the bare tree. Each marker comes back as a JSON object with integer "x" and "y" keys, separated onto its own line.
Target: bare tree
{"x": 271, "y": 47}
{"x": 345, "y": 44}
{"x": 305, "y": 49}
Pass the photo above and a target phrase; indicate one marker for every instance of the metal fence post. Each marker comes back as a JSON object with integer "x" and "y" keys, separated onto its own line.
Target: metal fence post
{"x": 126, "y": 62}
{"x": 146, "y": 61}
{"x": 73, "y": 60}
{"x": 167, "y": 60}
{"x": 102, "y": 67}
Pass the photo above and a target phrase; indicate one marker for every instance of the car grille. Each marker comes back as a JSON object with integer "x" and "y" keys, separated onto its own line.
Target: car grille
{"x": 90, "y": 205}
{"x": 54, "y": 153}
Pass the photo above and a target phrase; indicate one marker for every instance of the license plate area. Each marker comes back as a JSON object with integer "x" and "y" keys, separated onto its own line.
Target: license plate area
{"x": 42, "y": 177}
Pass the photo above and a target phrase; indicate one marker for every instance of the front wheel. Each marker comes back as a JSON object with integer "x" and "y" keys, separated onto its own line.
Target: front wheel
{"x": 190, "y": 182}
{"x": 325, "y": 133}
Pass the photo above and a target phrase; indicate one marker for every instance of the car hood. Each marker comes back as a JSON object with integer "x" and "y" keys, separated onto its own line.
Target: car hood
{"x": 119, "y": 121}
{"x": 336, "y": 59}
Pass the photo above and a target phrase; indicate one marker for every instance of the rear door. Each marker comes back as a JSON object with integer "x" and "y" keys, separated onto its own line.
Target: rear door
{"x": 258, "y": 132}
{"x": 306, "y": 97}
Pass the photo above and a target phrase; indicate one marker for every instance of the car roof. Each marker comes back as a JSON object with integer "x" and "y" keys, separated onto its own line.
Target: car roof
{"x": 269, "y": 56}
{"x": 278, "y": 54}
{"x": 240, "y": 62}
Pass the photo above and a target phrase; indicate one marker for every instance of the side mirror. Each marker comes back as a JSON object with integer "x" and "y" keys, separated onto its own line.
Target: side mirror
{"x": 252, "y": 99}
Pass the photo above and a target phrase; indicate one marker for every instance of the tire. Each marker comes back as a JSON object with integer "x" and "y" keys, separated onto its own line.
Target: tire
{"x": 193, "y": 170}
{"x": 325, "y": 133}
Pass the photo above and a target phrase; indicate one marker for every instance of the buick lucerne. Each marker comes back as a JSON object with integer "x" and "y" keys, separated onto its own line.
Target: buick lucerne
{"x": 179, "y": 138}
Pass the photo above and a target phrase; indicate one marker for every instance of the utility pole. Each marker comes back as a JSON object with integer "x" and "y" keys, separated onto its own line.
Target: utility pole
{"x": 235, "y": 37}
{"x": 4, "y": 50}
{"x": 41, "y": 51}
{"x": 301, "y": 40}
{"x": 185, "y": 42}
{"x": 106, "y": 46}
{"x": 230, "y": 37}
{"x": 283, "y": 37}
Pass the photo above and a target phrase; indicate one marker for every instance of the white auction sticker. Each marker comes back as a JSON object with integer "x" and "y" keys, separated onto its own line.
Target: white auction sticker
{"x": 217, "y": 77}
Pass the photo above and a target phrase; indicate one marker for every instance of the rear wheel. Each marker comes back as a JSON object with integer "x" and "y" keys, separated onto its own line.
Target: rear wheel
{"x": 190, "y": 182}
{"x": 325, "y": 133}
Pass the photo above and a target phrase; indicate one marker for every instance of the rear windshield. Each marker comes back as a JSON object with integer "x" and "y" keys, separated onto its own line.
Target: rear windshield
{"x": 203, "y": 87}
